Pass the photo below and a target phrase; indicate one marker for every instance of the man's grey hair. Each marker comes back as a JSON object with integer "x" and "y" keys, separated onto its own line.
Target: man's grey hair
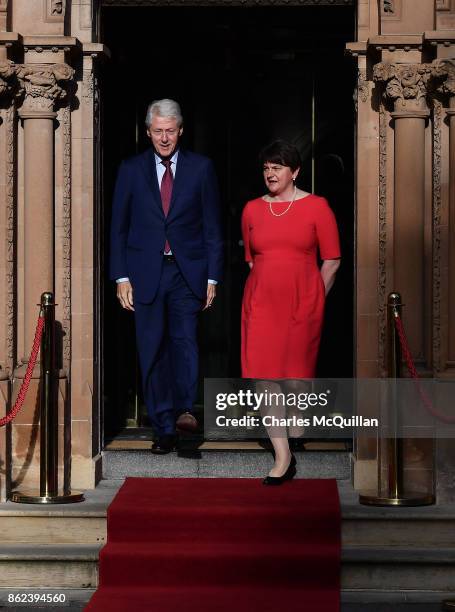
{"x": 164, "y": 108}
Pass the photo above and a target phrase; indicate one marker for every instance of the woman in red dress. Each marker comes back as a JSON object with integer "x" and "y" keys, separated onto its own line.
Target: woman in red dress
{"x": 283, "y": 301}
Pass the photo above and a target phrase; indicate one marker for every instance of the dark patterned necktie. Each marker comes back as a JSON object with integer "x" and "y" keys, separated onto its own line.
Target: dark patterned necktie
{"x": 166, "y": 193}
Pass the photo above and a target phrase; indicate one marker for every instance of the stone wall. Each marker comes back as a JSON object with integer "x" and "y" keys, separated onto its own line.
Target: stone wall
{"x": 405, "y": 205}
{"x": 49, "y": 152}
{"x": 48, "y": 116}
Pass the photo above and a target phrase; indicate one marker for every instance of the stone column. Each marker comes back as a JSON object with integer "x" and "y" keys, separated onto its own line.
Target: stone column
{"x": 43, "y": 87}
{"x": 406, "y": 87}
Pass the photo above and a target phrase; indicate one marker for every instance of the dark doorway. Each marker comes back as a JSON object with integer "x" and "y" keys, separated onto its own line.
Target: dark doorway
{"x": 243, "y": 77}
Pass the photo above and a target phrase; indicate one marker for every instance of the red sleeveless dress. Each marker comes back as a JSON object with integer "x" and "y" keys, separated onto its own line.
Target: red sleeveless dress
{"x": 283, "y": 300}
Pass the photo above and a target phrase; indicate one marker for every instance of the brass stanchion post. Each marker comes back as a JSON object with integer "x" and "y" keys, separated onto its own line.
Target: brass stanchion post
{"x": 48, "y": 491}
{"x": 49, "y": 416}
{"x": 395, "y": 494}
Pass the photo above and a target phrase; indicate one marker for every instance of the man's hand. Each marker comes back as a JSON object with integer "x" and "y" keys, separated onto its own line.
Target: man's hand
{"x": 125, "y": 295}
{"x": 211, "y": 293}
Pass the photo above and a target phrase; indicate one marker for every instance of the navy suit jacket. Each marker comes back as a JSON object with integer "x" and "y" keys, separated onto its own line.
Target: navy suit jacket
{"x": 139, "y": 228}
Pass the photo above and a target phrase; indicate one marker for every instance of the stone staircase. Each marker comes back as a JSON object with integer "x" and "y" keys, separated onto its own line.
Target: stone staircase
{"x": 392, "y": 558}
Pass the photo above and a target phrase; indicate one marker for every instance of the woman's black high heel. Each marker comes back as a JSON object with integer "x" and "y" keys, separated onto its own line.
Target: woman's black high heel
{"x": 288, "y": 475}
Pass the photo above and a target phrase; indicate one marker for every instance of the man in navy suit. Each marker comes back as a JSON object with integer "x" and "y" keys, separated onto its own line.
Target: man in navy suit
{"x": 167, "y": 258}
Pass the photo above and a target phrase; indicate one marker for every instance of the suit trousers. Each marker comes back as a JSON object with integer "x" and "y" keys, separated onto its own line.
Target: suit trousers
{"x": 166, "y": 335}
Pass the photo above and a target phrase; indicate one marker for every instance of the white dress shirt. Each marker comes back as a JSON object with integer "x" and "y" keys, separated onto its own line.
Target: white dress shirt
{"x": 160, "y": 170}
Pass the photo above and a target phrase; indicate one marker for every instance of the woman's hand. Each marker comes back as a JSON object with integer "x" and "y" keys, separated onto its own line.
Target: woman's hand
{"x": 328, "y": 272}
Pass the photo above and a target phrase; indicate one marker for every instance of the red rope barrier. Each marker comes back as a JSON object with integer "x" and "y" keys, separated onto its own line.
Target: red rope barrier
{"x": 413, "y": 372}
{"x": 28, "y": 374}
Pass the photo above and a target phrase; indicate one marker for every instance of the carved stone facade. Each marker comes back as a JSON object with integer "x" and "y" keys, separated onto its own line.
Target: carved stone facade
{"x": 363, "y": 89}
{"x": 54, "y": 11}
{"x": 8, "y": 79}
{"x": 436, "y": 226}
{"x": 66, "y": 239}
{"x": 57, "y": 7}
{"x": 382, "y": 263}
{"x": 10, "y": 293}
{"x": 44, "y": 84}
{"x": 408, "y": 85}
{"x": 413, "y": 89}
{"x": 33, "y": 91}
{"x": 388, "y": 7}
{"x": 409, "y": 67}
{"x": 49, "y": 72}
{"x": 9, "y": 88}
{"x": 391, "y": 10}
{"x": 447, "y": 86}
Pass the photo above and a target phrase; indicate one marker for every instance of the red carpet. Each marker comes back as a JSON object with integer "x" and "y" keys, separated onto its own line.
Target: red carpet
{"x": 219, "y": 545}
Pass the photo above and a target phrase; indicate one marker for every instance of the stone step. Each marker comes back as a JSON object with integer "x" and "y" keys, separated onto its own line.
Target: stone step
{"x": 361, "y": 531}
{"x": 351, "y": 601}
{"x": 363, "y": 568}
{"x": 49, "y": 566}
{"x": 419, "y": 602}
{"x": 71, "y": 600}
{"x": 427, "y": 526}
{"x": 79, "y": 523}
{"x": 368, "y": 531}
{"x": 396, "y": 569}
{"x": 53, "y": 529}
{"x": 118, "y": 464}
{"x": 134, "y": 440}
{"x": 379, "y": 551}
{"x": 85, "y": 523}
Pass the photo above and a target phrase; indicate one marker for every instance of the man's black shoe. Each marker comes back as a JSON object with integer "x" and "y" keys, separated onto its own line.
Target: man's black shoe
{"x": 164, "y": 445}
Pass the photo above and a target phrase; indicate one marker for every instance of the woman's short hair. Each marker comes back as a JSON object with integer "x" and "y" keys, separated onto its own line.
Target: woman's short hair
{"x": 164, "y": 108}
{"x": 281, "y": 152}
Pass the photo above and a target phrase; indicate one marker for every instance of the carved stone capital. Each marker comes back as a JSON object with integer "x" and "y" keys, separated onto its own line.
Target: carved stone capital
{"x": 408, "y": 85}
{"x": 447, "y": 87}
{"x": 9, "y": 85}
{"x": 44, "y": 85}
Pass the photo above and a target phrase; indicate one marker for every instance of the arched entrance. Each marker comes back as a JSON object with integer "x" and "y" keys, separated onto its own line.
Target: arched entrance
{"x": 243, "y": 77}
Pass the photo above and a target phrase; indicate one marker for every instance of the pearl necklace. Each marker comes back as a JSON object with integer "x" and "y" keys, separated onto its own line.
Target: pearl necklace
{"x": 285, "y": 211}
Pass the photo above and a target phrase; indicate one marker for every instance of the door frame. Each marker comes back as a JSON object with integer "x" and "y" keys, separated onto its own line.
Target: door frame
{"x": 99, "y": 206}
